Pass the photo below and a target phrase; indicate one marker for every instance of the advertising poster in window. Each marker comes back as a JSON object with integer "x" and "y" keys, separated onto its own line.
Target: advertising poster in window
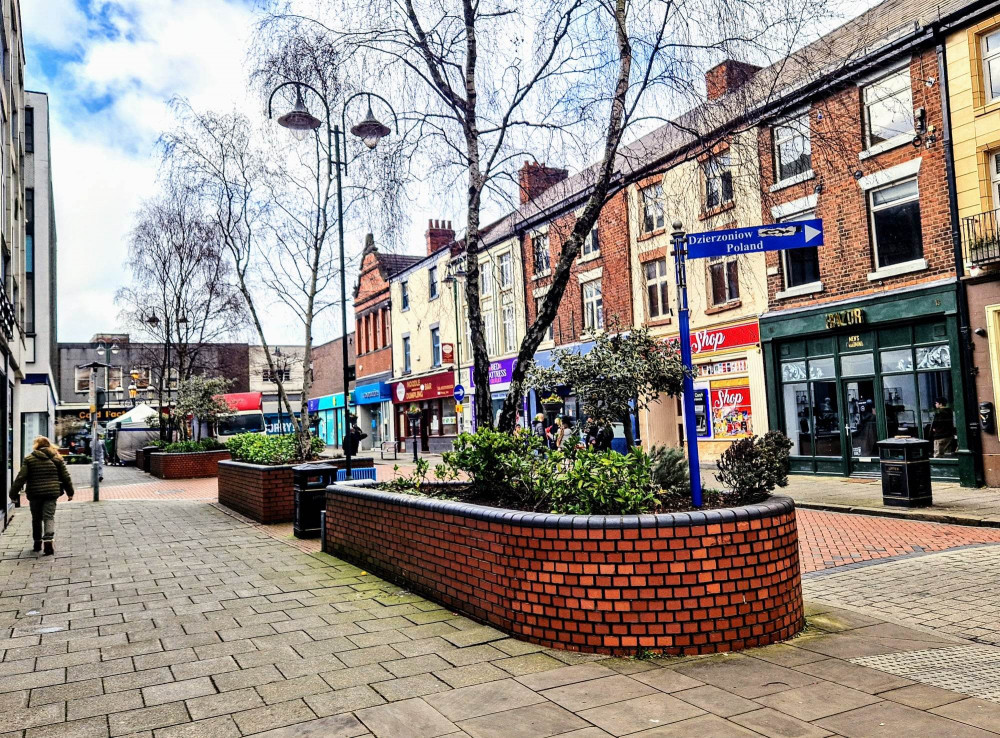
{"x": 702, "y": 426}
{"x": 731, "y": 414}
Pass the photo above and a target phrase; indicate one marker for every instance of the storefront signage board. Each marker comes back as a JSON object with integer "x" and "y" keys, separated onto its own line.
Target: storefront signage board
{"x": 434, "y": 387}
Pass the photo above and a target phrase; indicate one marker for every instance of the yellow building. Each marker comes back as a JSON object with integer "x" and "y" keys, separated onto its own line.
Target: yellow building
{"x": 726, "y": 295}
{"x": 973, "y": 96}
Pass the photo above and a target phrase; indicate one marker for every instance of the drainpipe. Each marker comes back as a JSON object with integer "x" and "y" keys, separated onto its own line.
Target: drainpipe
{"x": 971, "y": 399}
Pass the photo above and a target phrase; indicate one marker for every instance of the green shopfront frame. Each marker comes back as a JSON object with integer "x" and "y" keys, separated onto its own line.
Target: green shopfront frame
{"x": 842, "y": 377}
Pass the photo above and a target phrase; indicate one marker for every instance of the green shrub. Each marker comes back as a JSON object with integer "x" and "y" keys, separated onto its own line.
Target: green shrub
{"x": 186, "y": 447}
{"x": 257, "y": 448}
{"x": 752, "y": 467}
{"x": 670, "y": 470}
{"x": 605, "y": 483}
{"x": 503, "y": 467}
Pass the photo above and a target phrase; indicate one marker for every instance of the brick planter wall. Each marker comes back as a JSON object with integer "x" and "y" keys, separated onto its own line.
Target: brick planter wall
{"x": 187, "y": 465}
{"x": 138, "y": 458}
{"x": 265, "y": 493}
{"x": 685, "y": 583}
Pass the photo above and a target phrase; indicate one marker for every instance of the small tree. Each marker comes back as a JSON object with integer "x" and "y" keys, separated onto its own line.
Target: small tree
{"x": 201, "y": 397}
{"x": 623, "y": 373}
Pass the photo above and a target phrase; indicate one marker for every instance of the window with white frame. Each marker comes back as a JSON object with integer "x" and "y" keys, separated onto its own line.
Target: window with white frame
{"x": 406, "y": 355}
{"x": 718, "y": 178}
{"x": 485, "y": 279}
{"x": 895, "y": 223}
{"x": 540, "y": 253}
{"x": 404, "y": 290}
{"x": 888, "y": 108}
{"x": 657, "y": 295}
{"x": 432, "y": 277}
{"x": 82, "y": 377}
{"x": 490, "y": 331}
{"x": 800, "y": 266}
{"x": 991, "y": 65}
{"x": 538, "y": 309}
{"x": 592, "y": 243}
{"x": 436, "y": 346}
{"x": 792, "y": 149}
{"x": 724, "y": 281}
{"x": 506, "y": 268}
{"x": 593, "y": 306}
{"x": 509, "y": 332}
{"x": 652, "y": 208}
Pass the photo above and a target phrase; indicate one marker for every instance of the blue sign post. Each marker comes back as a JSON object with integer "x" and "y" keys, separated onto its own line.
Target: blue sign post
{"x": 459, "y": 393}
{"x": 731, "y": 242}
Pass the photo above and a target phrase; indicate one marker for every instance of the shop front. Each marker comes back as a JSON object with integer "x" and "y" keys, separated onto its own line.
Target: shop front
{"x": 729, "y": 392}
{"x": 500, "y": 373}
{"x": 434, "y": 396}
{"x": 373, "y": 404}
{"x": 843, "y": 376}
{"x": 329, "y": 413}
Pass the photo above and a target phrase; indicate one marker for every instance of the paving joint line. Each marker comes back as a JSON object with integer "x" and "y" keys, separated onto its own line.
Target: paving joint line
{"x": 918, "y": 517}
{"x": 889, "y": 559}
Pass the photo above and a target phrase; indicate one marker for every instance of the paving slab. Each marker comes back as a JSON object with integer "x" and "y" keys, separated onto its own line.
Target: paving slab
{"x": 411, "y": 718}
{"x": 534, "y": 721}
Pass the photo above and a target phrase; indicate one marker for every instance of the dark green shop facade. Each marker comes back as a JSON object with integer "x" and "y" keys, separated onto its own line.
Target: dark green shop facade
{"x": 843, "y": 376}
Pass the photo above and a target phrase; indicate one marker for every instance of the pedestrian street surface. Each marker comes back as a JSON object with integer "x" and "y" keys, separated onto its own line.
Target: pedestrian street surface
{"x": 170, "y": 617}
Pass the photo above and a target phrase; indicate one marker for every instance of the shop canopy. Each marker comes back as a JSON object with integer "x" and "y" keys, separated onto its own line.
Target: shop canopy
{"x": 137, "y": 417}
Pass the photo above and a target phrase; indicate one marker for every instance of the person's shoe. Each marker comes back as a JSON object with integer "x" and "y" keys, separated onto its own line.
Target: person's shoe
{"x": 48, "y": 549}
{"x": 37, "y": 547}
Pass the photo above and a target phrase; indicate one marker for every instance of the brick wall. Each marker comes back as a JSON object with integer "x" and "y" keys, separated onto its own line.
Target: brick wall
{"x": 614, "y": 262}
{"x": 846, "y": 259}
{"x": 328, "y": 366}
{"x": 187, "y": 466}
{"x": 265, "y": 493}
{"x": 681, "y": 584}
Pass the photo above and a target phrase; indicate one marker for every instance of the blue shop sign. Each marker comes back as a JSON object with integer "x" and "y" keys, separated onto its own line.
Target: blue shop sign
{"x": 327, "y": 402}
{"x": 368, "y": 394}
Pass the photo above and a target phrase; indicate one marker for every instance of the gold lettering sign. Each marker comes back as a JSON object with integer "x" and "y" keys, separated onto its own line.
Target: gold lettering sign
{"x": 843, "y": 318}
{"x": 855, "y": 342}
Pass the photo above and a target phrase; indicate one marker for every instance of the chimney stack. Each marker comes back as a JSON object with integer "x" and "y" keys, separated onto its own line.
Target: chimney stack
{"x": 728, "y": 76}
{"x": 534, "y": 179}
{"x": 439, "y": 235}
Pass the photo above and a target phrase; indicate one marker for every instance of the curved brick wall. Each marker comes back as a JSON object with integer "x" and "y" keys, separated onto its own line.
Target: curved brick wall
{"x": 684, "y": 583}
{"x": 187, "y": 465}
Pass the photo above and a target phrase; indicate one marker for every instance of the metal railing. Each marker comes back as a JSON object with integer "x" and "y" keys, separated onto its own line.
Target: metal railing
{"x": 981, "y": 239}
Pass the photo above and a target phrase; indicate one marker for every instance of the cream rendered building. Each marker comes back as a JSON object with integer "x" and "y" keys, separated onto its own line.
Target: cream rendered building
{"x": 725, "y": 295}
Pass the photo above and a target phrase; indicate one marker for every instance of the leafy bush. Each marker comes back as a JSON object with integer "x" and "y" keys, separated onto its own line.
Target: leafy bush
{"x": 257, "y": 448}
{"x": 752, "y": 467}
{"x": 503, "y": 467}
{"x": 186, "y": 447}
{"x": 605, "y": 483}
{"x": 670, "y": 470}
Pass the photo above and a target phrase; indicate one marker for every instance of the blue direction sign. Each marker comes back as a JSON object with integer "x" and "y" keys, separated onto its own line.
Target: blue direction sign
{"x": 459, "y": 393}
{"x": 736, "y": 241}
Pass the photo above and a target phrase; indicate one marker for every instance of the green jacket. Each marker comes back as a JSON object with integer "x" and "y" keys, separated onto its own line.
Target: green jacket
{"x": 45, "y": 474}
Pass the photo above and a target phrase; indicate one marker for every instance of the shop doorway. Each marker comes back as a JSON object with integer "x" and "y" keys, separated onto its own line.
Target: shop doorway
{"x": 862, "y": 426}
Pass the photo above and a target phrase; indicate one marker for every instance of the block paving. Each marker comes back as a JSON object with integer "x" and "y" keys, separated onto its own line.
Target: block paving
{"x": 172, "y": 618}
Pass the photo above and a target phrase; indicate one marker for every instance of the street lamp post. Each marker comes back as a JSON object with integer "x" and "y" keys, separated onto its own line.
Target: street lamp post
{"x": 301, "y": 122}
{"x": 279, "y": 368}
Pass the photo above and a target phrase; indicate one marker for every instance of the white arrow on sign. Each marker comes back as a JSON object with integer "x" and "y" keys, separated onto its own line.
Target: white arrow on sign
{"x": 811, "y": 233}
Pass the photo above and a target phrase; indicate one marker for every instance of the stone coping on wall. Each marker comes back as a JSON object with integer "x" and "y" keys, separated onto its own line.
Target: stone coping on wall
{"x": 680, "y": 583}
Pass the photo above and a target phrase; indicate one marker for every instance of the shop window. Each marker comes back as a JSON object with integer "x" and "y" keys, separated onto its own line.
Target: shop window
{"x": 593, "y": 306}
{"x": 432, "y": 278}
{"x": 901, "y": 410}
{"x": 404, "y": 289}
{"x": 652, "y": 208}
{"x": 937, "y": 414}
{"x": 801, "y": 266}
{"x": 991, "y": 65}
{"x": 406, "y": 355}
{"x": 792, "y": 149}
{"x": 436, "y": 346}
{"x": 724, "y": 278}
{"x": 895, "y": 222}
{"x": 718, "y": 179}
{"x": 888, "y": 108}
{"x": 506, "y": 271}
{"x": 812, "y": 418}
{"x": 540, "y": 253}
{"x": 657, "y": 295}
{"x": 857, "y": 365}
{"x": 538, "y": 309}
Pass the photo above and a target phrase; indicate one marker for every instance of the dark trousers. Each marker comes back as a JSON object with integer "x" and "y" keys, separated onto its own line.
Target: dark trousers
{"x": 43, "y": 512}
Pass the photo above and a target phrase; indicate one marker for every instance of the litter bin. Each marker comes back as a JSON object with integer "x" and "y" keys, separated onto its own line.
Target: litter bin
{"x": 147, "y": 457}
{"x": 310, "y": 482}
{"x": 906, "y": 472}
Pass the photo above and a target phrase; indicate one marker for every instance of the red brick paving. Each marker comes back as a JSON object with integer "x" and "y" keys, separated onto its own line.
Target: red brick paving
{"x": 826, "y": 539}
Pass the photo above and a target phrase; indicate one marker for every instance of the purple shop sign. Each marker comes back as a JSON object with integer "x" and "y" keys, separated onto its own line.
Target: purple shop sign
{"x": 500, "y": 371}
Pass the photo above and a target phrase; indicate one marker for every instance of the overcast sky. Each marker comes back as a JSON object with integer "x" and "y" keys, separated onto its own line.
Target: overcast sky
{"x": 110, "y": 67}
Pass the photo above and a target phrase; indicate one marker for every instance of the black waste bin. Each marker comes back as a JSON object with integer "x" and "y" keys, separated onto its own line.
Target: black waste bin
{"x": 310, "y": 482}
{"x": 906, "y": 472}
{"x": 147, "y": 457}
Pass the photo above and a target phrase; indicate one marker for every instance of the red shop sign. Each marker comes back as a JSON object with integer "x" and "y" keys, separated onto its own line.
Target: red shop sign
{"x": 723, "y": 339}
{"x": 424, "y": 388}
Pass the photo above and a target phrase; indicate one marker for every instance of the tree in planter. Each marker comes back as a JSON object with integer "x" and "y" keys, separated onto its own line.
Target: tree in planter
{"x": 623, "y": 373}
{"x": 200, "y": 397}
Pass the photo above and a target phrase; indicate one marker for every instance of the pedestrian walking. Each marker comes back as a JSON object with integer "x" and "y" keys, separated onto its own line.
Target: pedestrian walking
{"x": 353, "y": 436}
{"x": 45, "y": 474}
{"x": 97, "y": 444}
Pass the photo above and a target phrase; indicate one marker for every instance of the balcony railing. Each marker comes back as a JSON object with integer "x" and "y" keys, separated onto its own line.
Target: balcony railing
{"x": 981, "y": 239}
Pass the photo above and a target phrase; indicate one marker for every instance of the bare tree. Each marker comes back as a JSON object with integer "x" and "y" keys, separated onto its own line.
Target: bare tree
{"x": 487, "y": 83}
{"x": 180, "y": 276}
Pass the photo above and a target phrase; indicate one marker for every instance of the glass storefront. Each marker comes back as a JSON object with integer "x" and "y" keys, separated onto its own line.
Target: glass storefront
{"x": 840, "y": 394}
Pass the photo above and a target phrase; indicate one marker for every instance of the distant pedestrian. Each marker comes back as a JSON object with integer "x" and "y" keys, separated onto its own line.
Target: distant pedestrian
{"x": 98, "y": 445}
{"x": 353, "y": 437}
{"x": 943, "y": 429}
{"x": 45, "y": 474}
{"x": 538, "y": 429}
{"x": 605, "y": 435}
